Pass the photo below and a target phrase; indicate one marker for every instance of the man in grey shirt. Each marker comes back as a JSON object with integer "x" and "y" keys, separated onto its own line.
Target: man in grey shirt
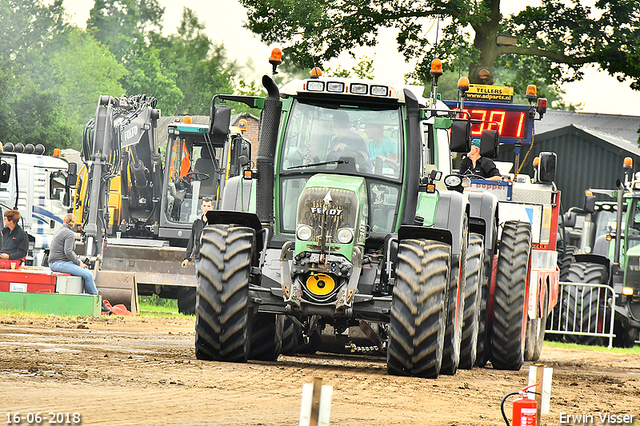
{"x": 62, "y": 257}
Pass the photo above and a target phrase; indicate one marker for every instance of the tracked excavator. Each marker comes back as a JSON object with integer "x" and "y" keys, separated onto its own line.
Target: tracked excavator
{"x": 135, "y": 209}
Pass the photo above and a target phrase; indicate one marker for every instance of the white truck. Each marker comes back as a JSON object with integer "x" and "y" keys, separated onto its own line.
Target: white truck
{"x": 41, "y": 193}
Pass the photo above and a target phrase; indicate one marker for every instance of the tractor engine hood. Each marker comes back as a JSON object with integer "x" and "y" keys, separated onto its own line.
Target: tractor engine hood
{"x": 332, "y": 215}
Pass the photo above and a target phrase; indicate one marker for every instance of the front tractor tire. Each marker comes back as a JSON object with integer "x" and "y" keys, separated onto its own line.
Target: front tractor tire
{"x": 223, "y": 326}
{"x": 417, "y": 326}
{"x": 509, "y": 314}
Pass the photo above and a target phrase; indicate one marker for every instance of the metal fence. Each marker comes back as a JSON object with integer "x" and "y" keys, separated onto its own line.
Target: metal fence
{"x": 584, "y": 313}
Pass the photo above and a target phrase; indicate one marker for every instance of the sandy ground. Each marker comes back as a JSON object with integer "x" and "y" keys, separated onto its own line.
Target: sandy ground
{"x": 143, "y": 371}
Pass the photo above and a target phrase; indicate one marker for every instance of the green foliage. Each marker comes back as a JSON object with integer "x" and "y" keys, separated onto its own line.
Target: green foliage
{"x": 362, "y": 69}
{"x": 52, "y": 74}
{"x": 554, "y": 40}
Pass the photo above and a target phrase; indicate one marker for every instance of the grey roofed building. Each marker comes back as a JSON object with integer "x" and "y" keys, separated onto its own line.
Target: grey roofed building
{"x": 590, "y": 148}
{"x": 622, "y": 126}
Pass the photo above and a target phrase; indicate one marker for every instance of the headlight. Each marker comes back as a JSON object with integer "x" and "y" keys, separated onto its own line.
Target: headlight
{"x": 453, "y": 181}
{"x": 334, "y": 86}
{"x": 379, "y": 90}
{"x": 304, "y": 232}
{"x": 359, "y": 89}
{"x": 315, "y": 86}
{"x": 345, "y": 236}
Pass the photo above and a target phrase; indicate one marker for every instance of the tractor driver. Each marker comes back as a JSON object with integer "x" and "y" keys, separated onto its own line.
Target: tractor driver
{"x": 381, "y": 145}
{"x": 475, "y": 164}
{"x": 347, "y": 143}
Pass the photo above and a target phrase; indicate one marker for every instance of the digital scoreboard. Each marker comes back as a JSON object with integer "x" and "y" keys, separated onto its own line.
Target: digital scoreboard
{"x": 514, "y": 123}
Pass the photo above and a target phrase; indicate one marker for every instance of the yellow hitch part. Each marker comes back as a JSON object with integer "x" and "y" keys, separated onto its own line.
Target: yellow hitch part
{"x": 320, "y": 284}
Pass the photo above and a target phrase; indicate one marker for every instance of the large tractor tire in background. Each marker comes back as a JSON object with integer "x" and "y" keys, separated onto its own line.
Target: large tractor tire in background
{"x": 187, "y": 300}
{"x": 291, "y": 335}
{"x": 509, "y": 315}
{"x": 484, "y": 336}
{"x": 472, "y": 294}
{"x": 266, "y": 336}
{"x": 417, "y": 326}
{"x": 565, "y": 259}
{"x": 223, "y": 327}
{"x": 455, "y": 310}
{"x": 582, "y": 310}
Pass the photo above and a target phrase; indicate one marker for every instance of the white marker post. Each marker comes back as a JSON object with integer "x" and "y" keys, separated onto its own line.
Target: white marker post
{"x": 315, "y": 407}
{"x": 542, "y": 376}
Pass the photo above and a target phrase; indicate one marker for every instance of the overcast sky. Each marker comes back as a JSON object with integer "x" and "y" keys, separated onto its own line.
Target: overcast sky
{"x": 598, "y": 92}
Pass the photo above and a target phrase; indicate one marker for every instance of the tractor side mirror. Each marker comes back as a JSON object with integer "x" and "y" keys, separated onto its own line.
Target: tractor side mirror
{"x": 460, "y": 136}
{"x": 569, "y": 219}
{"x": 589, "y": 203}
{"x": 547, "y": 166}
{"x": 5, "y": 172}
{"x": 220, "y": 120}
{"x": 490, "y": 143}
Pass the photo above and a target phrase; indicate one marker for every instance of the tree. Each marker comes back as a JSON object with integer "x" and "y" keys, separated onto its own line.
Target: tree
{"x": 83, "y": 70}
{"x": 200, "y": 67}
{"x": 554, "y": 40}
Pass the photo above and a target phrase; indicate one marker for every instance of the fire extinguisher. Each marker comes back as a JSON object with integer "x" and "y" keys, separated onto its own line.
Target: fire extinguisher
{"x": 525, "y": 410}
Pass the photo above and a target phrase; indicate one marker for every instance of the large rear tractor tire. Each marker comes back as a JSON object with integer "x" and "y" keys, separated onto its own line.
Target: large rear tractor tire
{"x": 417, "y": 326}
{"x": 455, "y": 310}
{"x": 472, "y": 295}
{"x": 187, "y": 300}
{"x": 582, "y": 310}
{"x": 508, "y": 334}
{"x": 266, "y": 336}
{"x": 223, "y": 327}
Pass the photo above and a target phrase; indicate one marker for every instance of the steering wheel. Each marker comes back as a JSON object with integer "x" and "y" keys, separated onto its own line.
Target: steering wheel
{"x": 360, "y": 157}
{"x": 196, "y": 176}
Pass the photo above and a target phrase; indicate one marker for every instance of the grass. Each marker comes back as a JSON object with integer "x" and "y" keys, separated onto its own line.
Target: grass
{"x": 149, "y": 306}
{"x": 634, "y": 351}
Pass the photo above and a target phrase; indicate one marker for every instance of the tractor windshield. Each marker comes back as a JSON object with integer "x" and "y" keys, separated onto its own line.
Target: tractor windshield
{"x": 323, "y": 139}
{"x": 343, "y": 140}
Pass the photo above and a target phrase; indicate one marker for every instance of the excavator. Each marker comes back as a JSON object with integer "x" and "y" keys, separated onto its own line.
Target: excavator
{"x": 136, "y": 199}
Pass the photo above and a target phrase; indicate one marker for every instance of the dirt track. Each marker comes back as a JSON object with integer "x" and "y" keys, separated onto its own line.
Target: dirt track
{"x": 143, "y": 371}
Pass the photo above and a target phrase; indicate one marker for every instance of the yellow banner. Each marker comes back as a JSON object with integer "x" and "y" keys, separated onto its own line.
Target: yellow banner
{"x": 483, "y": 92}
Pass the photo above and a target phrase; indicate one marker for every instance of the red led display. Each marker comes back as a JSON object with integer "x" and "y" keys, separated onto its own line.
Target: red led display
{"x": 510, "y": 124}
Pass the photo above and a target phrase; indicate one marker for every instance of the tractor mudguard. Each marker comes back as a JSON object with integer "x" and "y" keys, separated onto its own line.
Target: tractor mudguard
{"x": 239, "y": 194}
{"x": 452, "y": 208}
{"x": 484, "y": 205}
{"x": 413, "y": 231}
{"x": 594, "y": 258}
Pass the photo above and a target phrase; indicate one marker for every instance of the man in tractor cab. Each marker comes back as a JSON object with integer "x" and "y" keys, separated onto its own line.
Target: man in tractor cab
{"x": 476, "y": 165}
{"x": 380, "y": 145}
{"x": 15, "y": 241}
{"x": 348, "y": 143}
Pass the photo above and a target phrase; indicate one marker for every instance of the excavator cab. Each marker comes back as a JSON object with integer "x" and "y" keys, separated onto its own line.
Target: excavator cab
{"x": 198, "y": 168}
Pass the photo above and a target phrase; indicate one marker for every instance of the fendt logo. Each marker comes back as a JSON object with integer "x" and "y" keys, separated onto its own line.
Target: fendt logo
{"x": 634, "y": 267}
{"x": 322, "y": 210}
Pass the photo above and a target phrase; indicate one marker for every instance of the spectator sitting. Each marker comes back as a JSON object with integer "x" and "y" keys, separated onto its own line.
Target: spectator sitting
{"x": 15, "y": 241}
{"x": 62, "y": 257}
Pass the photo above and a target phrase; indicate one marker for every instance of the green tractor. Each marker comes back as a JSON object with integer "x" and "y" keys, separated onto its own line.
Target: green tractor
{"x": 609, "y": 255}
{"x": 333, "y": 233}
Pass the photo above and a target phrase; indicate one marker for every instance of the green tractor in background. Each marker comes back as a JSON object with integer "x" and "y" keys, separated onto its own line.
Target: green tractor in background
{"x": 330, "y": 232}
{"x": 609, "y": 255}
